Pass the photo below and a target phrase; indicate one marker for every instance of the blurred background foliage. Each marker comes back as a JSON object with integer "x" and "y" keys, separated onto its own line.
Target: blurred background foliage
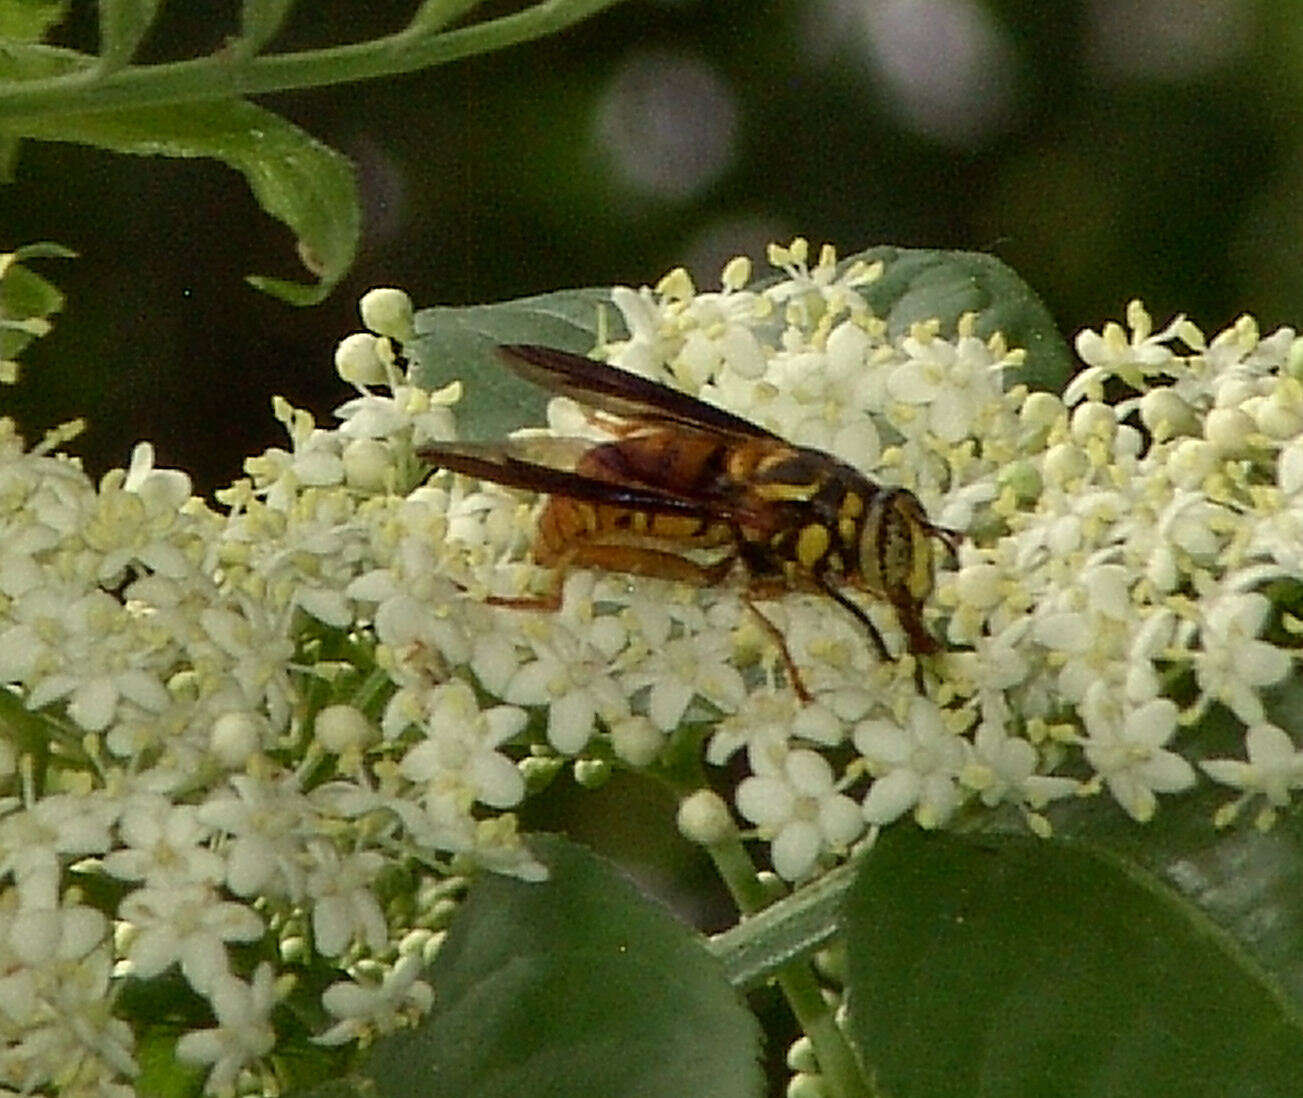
{"x": 1104, "y": 148}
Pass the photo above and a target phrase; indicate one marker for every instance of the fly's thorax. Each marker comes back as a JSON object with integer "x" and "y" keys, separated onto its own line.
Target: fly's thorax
{"x": 895, "y": 550}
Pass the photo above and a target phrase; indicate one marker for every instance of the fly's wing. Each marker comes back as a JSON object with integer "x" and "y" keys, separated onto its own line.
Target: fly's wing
{"x": 518, "y": 464}
{"x": 620, "y": 392}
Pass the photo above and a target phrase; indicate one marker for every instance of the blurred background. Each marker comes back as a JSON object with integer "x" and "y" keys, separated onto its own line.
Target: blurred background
{"x": 1105, "y": 149}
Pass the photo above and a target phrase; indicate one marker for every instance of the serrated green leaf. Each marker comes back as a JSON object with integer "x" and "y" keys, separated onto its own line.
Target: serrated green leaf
{"x": 295, "y": 178}
{"x": 578, "y": 985}
{"x": 28, "y": 20}
{"x": 454, "y": 343}
{"x": 921, "y": 283}
{"x": 123, "y": 23}
{"x": 1018, "y": 967}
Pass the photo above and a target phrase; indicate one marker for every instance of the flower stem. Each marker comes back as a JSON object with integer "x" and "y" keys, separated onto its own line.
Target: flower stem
{"x": 82, "y": 86}
{"x": 841, "y": 1071}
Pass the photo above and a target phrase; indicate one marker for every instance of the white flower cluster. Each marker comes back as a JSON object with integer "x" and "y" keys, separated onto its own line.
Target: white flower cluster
{"x": 243, "y": 715}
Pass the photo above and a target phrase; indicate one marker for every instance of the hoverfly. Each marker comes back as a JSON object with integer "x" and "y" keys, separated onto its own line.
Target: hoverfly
{"x": 680, "y": 475}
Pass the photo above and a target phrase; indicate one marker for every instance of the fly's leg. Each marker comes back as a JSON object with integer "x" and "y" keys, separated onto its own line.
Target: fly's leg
{"x": 780, "y": 642}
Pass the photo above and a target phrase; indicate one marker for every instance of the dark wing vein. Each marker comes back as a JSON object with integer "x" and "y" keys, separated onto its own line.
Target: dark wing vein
{"x": 495, "y": 462}
{"x": 618, "y": 391}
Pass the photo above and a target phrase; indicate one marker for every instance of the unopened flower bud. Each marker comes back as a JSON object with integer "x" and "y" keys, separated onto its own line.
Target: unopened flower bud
{"x": 367, "y": 464}
{"x": 636, "y": 740}
{"x": 340, "y": 728}
{"x": 1228, "y": 429}
{"x": 358, "y": 360}
{"x": 387, "y": 312}
{"x": 1280, "y": 415}
{"x": 704, "y": 818}
{"x": 1041, "y": 411}
{"x": 1022, "y": 478}
{"x": 1165, "y": 414}
{"x": 1191, "y": 462}
{"x": 1093, "y": 420}
{"x": 592, "y": 773}
{"x": 1065, "y": 462}
{"x": 235, "y": 737}
{"x": 800, "y": 1057}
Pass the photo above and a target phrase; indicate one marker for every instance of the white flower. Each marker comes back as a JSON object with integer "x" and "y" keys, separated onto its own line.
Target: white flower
{"x": 459, "y": 756}
{"x": 343, "y": 905}
{"x": 363, "y": 1008}
{"x": 1233, "y": 662}
{"x": 243, "y": 1033}
{"x": 267, "y": 823}
{"x": 188, "y": 925}
{"x": 796, "y": 805}
{"x": 916, "y": 766}
{"x": 1004, "y": 768}
{"x": 1114, "y": 354}
{"x": 32, "y": 839}
{"x": 569, "y": 676}
{"x": 1125, "y": 744}
{"x": 1274, "y": 768}
{"x": 164, "y": 844}
{"x": 682, "y": 669}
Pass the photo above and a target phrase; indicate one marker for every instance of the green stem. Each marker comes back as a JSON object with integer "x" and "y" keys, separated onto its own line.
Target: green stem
{"x": 224, "y": 75}
{"x": 842, "y": 1075}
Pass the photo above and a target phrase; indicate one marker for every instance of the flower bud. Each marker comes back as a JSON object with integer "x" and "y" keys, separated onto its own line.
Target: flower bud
{"x": 358, "y": 360}
{"x": 1040, "y": 411}
{"x": 1092, "y": 419}
{"x": 704, "y": 818}
{"x": 1280, "y": 415}
{"x": 592, "y": 773}
{"x": 1022, "y": 478}
{"x": 235, "y": 738}
{"x": 1192, "y": 462}
{"x": 388, "y": 312}
{"x": 1065, "y": 462}
{"x": 367, "y": 464}
{"x": 1165, "y": 414}
{"x": 636, "y": 741}
{"x": 800, "y": 1057}
{"x": 339, "y": 728}
{"x": 1228, "y": 429}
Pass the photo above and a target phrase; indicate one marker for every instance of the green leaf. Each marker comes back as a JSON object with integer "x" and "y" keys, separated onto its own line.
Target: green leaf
{"x": 162, "y": 1075}
{"x": 920, "y": 283}
{"x": 1021, "y": 967}
{"x": 26, "y": 299}
{"x": 348, "y": 1087}
{"x": 260, "y": 20}
{"x": 577, "y": 985}
{"x": 123, "y": 24}
{"x": 456, "y": 343}
{"x": 28, "y": 20}
{"x": 295, "y": 178}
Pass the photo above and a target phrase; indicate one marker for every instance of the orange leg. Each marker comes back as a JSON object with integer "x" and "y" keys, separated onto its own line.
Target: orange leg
{"x": 776, "y": 635}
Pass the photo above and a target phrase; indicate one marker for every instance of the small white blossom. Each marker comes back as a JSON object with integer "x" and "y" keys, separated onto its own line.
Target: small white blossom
{"x": 916, "y": 765}
{"x": 797, "y": 807}
{"x": 1126, "y": 745}
{"x": 243, "y": 1033}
